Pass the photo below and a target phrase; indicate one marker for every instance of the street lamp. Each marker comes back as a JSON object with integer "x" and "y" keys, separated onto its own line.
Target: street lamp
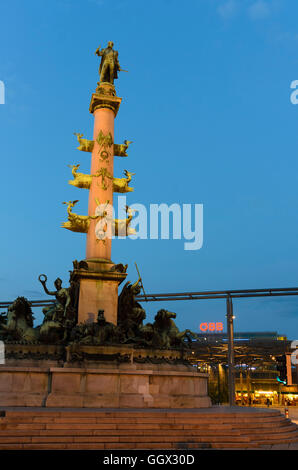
{"x": 231, "y": 358}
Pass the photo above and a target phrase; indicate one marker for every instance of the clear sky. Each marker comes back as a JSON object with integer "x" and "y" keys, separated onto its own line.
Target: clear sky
{"x": 206, "y": 103}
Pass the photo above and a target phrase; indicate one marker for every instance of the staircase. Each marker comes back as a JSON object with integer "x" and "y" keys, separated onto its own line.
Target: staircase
{"x": 210, "y": 428}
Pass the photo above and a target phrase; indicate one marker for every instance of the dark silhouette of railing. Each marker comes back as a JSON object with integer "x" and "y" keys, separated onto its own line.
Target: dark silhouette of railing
{"x": 33, "y": 303}
{"x": 232, "y": 294}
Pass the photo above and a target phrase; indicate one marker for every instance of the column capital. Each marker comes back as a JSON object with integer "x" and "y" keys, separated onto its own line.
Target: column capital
{"x": 105, "y": 97}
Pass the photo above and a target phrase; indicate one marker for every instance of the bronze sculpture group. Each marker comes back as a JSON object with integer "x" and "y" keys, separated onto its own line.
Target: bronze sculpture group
{"x": 60, "y": 326}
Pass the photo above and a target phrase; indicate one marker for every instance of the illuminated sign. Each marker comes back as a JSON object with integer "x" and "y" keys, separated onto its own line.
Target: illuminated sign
{"x": 218, "y": 326}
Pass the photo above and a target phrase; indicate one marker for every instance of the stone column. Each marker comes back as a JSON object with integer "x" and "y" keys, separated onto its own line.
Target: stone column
{"x": 101, "y": 189}
{"x": 98, "y": 284}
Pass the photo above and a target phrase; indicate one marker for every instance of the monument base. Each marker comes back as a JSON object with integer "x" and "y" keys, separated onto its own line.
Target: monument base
{"x": 105, "y": 377}
{"x": 98, "y": 290}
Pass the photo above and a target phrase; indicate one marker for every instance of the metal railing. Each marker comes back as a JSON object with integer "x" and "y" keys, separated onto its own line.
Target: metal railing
{"x": 224, "y": 294}
{"x": 33, "y": 303}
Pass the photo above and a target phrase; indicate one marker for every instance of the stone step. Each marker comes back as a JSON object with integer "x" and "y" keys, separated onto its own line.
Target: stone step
{"x": 146, "y": 432}
{"x": 114, "y": 432}
{"x": 282, "y": 440}
{"x": 128, "y": 427}
{"x": 88, "y": 412}
{"x": 145, "y": 439}
{"x": 238, "y": 425}
{"x": 264, "y": 439}
{"x": 99, "y": 427}
{"x": 141, "y": 417}
{"x": 274, "y": 437}
{"x": 126, "y": 446}
{"x": 51, "y": 432}
{"x": 234, "y": 445}
{"x": 136, "y": 446}
{"x": 125, "y": 438}
{"x": 115, "y": 425}
{"x": 172, "y": 412}
{"x": 147, "y": 420}
{"x": 281, "y": 429}
{"x": 32, "y": 446}
{"x": 85, "y": 430}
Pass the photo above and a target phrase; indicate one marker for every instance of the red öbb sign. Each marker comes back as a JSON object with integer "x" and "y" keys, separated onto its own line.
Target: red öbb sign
{"x": 218, "y": 326}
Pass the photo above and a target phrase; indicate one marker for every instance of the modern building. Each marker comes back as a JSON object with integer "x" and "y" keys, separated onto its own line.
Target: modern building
{"x": 263, "y": 370}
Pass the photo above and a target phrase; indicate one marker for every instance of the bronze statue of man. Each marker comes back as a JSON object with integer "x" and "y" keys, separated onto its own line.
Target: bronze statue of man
{"x": 109, "y": 65}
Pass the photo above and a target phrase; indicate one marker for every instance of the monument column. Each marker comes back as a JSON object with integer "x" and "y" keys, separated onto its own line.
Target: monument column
{"x": 104, "y": 107}
{"x": 97, "y": 275}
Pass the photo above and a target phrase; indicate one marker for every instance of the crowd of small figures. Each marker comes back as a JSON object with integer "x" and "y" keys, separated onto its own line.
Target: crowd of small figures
{"x": 60, "y": 322}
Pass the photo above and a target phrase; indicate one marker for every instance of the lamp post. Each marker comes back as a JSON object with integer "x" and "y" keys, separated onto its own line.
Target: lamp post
{"x": 231, "y": 358}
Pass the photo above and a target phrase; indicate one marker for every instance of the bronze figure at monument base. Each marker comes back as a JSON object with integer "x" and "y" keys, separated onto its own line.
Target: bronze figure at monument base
{"x": 62, "y": 323}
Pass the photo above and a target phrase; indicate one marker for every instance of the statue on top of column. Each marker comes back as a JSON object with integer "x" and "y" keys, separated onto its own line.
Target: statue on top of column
{"x": 109, "y": 65}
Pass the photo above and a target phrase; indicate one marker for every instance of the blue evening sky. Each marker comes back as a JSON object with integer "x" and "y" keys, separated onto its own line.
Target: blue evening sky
{"x": 206, "y": 103}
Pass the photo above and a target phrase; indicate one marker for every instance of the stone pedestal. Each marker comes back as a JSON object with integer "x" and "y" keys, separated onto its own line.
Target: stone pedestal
{"x": 117, "y": 387}
{"x": 104, "y": 377}
{"x": 98, "y": 291}
{"x": 113, "y": 387}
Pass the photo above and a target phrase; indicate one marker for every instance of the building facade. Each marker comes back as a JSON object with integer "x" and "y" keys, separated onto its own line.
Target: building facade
{"x": 264, "y": 374}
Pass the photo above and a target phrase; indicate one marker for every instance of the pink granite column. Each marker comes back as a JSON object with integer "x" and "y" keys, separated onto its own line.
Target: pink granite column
{"x": 98, "y": 284}
{"x": 101, "y": 189}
